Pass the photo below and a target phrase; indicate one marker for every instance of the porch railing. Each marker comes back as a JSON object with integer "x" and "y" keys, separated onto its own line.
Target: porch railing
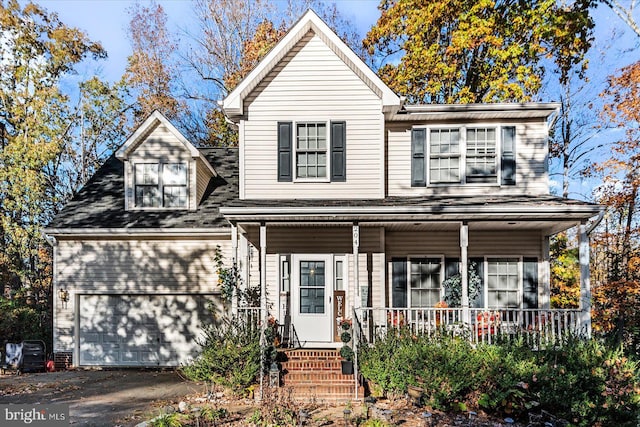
{"x": 536, "y": 326}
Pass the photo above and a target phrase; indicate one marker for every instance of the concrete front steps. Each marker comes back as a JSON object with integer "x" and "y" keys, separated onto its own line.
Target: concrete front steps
{"x": 316, "y": 375}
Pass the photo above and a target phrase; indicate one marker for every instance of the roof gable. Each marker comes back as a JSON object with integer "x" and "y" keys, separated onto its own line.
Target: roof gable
{"x": 154, "y": 120}
{"x": 233, "y": 104}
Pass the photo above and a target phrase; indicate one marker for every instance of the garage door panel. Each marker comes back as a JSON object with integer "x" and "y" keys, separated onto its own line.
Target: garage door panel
{"x": 140, "y": 330}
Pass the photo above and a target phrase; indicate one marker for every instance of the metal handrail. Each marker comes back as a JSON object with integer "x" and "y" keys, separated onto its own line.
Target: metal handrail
{"x": 358, "y": 338}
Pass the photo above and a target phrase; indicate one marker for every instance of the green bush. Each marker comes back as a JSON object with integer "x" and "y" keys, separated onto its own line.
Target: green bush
{"x": 230, "y": 356}
{"x": 584, "y": 382}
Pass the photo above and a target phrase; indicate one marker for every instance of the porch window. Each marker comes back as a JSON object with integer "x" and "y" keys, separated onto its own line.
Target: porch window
{"x": 161, "y": 185}
{"x": 503, "y": 283}
{"x": 312, "y": 287}
{"x": 425, "y": 279}
{"x": 311, "y": 150}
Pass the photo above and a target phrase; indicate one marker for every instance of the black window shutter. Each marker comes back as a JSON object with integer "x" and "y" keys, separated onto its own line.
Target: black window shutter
{"x": 530, "y": 283}
{"x": 285, "y": 148}
{"x": 418, "y": 175}
{"x": 399, "y": 282}
{"x": 508, "y": 160}
{"x": 338, "y": 151}
{"x": 478, "y": 264}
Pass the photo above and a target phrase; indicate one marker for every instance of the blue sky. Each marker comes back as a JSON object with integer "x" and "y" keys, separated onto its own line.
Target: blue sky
{"x": 106, "y": 21}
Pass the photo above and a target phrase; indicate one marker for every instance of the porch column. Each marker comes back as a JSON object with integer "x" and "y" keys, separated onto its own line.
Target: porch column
{"x": 585, "y": 282}
{"x": 356, "y": 265}
{"x": 263, "y": 272}
{"x": 234, "y": 263}
{"x": 263, "y": 300}
{"x": 464, "y": 276}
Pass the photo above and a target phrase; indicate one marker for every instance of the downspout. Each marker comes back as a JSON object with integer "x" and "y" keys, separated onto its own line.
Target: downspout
{"x": 585, "y": 273}
{"x": 54, "y": 285}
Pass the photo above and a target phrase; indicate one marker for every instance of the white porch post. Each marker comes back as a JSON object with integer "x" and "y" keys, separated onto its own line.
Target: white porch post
{"x": 585, "y": 282}
{"x": 263, "y": 300}
{"x": 356, "y": 265}
{"x": 464, "y": 276}
{"x": 234, "y": 262}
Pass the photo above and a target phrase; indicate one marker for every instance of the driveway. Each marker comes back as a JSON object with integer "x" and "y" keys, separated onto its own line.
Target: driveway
{"x": 100, "y": 398}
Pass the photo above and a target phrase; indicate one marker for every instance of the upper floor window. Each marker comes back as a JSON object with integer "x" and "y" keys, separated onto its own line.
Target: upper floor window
{"x": 463, "y": 155}
{"x": 161, "y": 185}
{"x": 311, "y": 150}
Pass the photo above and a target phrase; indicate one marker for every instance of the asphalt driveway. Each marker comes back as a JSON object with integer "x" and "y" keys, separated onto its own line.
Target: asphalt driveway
{"x": 100, "y": 398}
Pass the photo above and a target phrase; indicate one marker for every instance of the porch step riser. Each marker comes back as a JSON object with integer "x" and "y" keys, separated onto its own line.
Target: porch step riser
{"x": 312, "y": 355}
{"x": 322, "y": 392}
{"x": 300, "y": 365}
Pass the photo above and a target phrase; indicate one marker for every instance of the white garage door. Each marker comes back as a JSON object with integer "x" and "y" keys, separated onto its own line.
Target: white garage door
{"x": 140, "y": 330}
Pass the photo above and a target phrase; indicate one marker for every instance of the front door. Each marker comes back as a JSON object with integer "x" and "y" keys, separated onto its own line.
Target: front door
{"x": 312, "y": 288}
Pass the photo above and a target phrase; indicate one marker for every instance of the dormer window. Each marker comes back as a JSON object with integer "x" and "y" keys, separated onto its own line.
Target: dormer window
{"x": 161, "y": 185}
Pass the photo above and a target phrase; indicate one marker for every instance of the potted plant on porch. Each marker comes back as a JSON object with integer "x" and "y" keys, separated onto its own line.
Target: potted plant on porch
{"x": 346, "y": 352}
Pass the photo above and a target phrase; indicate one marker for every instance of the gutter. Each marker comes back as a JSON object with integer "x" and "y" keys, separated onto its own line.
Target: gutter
{"x": 175, "y": 232}
{"x": 596, "y": 222}
{"x": 50, "y": 239}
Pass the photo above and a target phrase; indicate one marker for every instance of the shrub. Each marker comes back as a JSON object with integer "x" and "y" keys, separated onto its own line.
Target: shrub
{"x": 584, "y": 382}
{"x": 230, "y": 356}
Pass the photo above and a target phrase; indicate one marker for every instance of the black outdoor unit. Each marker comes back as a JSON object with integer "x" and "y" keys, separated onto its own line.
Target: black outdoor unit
{"x": 33, "y": 356}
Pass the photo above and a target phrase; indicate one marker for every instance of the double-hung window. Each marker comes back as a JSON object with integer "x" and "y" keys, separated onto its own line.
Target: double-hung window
{"x": 444, "y": 156}
{"x": 311, "y": 150}
{"x": 481, "y": 165}
{"x": 160, "y": 185}
{"x": 425, "y": 278}
{"x": 463, "y": 155}
{"x": 503, "y": 283}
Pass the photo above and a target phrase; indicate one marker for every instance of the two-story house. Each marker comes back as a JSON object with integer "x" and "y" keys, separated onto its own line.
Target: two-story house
{"x": 339, "y": 201}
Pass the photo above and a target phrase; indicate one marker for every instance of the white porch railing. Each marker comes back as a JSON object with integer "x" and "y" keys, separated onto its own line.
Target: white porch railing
{"x": 536, "y": 326}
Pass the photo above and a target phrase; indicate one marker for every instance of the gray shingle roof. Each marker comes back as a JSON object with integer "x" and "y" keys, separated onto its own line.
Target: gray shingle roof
{"x": 100, "y": 203}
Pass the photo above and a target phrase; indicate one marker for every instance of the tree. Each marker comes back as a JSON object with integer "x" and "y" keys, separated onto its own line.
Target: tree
{"x": 565, "y": 273}
{"x": 149, "y": 69}
{"x": 617, "y": 293}
{"x": 233, "y": 36}
{"x": 37, "y": 51}
{"x": 462, "y": 51}
{"x": 624, "y": 12}
{"x": 100, "y": 121}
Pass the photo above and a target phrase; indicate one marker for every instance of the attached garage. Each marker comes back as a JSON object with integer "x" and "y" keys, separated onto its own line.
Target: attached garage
{"x": 140, "y": 330}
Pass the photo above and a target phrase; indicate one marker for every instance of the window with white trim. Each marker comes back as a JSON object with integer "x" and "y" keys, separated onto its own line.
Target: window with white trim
{"x": 444, "y": 156}
{"x": 463, "y": 155}
{"x": 503, "y": 283}
{"x": 160, "y": 185}
{"x": 425, "y": 277}
{"x": 311, "y": 150}
{"x": 481, "y": 164}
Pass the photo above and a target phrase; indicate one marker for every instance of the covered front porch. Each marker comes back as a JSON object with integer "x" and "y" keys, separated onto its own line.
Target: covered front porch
{"x": 383, "y": 266}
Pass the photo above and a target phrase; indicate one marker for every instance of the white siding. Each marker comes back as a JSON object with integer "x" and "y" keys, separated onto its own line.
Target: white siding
{"x": 481, "y": 243}
{"x": 131, "y": 267}
{"x": 531, "y": 164}
{"x": 312, "y": 84}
